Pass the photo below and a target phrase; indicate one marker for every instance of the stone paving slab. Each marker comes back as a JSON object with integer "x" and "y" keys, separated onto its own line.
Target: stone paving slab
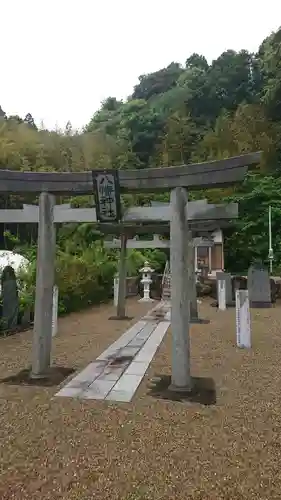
{"x": 92, "y": 371}
{"x": 98, "y": 389}
{"x": 120, "y": 396}
{"x": 128, "y": 383}
{"x": 137, "y": 367}
{"x": 113, "y": 373}
{"x": 70, "y": 392}
{"x": 137, "y": 342}
{"x": 128, "y": 351}
{"x": 123, "y": 340}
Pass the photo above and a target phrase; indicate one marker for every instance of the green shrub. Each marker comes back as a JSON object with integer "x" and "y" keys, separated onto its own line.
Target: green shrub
{"x": 86, "y": 277}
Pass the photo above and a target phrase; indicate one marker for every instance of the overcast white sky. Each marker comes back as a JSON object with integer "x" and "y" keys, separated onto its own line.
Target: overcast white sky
{"x": 60, "y": 58}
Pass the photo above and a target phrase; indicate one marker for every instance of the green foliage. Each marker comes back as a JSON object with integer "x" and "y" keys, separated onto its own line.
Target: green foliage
{"x": 270, "y": 63}
{"x": 26, "y": 284}
{"x": 85, "y": 277}
{"x": 156, "y": 258}
{"x": 158, "y": 82}
{"x": 248, "y": 240}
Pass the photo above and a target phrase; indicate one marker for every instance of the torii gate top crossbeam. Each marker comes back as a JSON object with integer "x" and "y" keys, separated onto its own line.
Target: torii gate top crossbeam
{"x": 196, "y": 176}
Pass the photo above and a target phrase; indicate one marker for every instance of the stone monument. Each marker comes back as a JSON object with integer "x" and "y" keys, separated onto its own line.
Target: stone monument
{"x": 10, "y": 299}
{"x": 259, "y": 286}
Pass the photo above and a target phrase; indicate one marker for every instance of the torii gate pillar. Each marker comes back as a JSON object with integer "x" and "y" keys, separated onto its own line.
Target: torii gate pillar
{"x": 179, "y": 248}
{"x": 45, "y": 278}
{"x": 192, "y": 288}
{"x": 122, "y": 282}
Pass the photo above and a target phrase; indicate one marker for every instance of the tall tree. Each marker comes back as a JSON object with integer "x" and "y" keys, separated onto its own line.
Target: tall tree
{"x": 245, "y": 131}
{"x": 29, "y": 120}
{"x": 143, "y": 127}
{"x": 270, "y": 63}
{"x": 180, "y": 138}
{"x": 158, "y": 82}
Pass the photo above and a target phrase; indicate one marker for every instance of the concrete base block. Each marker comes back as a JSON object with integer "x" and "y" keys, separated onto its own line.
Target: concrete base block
{"x": 260, "y": 305}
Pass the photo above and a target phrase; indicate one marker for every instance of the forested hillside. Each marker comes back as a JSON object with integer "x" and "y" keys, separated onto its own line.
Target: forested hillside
{"x": 179, "y": 114}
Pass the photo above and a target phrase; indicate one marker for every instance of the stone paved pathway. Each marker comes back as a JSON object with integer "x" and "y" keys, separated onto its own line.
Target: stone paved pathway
{"x": 118, "y": 371}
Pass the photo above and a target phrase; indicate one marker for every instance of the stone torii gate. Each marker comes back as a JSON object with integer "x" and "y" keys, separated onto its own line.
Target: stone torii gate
{"x": 137, "y": 220}
{"x": 198, "y": 224}
{"x": 209, "y": 175}
{"x": 156, "y": 242}
{"x": 157, "y": 219}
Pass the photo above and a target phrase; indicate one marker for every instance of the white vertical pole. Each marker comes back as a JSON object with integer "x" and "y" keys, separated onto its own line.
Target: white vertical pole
{"x": 243, "y": 323}
{"x": 55, "y": 311}
{"x": 270, "y": 250}
{"x": 115, "y": 289}
{"x": 222, "y": 295}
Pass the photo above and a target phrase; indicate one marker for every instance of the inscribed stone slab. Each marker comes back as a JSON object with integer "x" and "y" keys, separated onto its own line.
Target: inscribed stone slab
{"x": 259, "y": 287}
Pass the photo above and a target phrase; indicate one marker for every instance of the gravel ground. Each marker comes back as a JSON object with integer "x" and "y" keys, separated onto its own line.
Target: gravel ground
{"x": 148, "y": 449}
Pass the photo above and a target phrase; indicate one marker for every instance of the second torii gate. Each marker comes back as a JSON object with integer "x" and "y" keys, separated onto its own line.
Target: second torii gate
{"x": 156, "y": 242}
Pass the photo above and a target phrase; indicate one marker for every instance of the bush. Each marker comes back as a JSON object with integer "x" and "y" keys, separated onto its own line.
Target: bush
{"x": 84, "y": 278}
{"x": 83, "y": 281}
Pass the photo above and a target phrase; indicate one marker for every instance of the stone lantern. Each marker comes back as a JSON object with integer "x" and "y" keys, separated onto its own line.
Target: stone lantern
{"x": 146, "y": 282}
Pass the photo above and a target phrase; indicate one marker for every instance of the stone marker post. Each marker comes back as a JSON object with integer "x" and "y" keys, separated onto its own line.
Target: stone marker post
{"x": 179, "y": 248}
{"x": 226, "y": 277}
{"x": 42, "y": 338}
{"x": 243, "y": 325}
{"x": 222, "y": 294}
